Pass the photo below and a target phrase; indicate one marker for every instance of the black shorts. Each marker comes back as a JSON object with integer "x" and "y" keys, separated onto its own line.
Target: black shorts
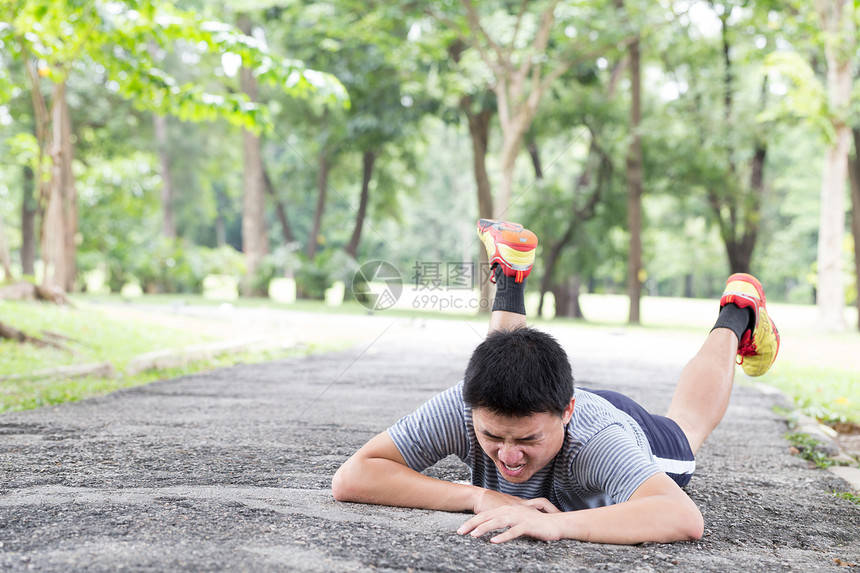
{"x": 668, "y": 442}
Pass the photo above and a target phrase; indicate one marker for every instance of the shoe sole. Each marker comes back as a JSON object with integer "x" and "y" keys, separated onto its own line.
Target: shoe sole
{"x": 513, "y": 249}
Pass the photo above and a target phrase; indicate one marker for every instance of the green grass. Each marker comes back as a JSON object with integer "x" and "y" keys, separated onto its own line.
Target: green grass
{"x": 27, "y": 394}
{"x": 806, "y": 447}
{"x": 91, "y": 337}
{"x": 848, "y": 496}
{"x": 828, "y": 394}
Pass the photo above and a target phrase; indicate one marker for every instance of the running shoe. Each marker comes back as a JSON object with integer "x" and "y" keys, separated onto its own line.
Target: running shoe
{"x": 510, "y": 246}
{"x": 760, "y": 344}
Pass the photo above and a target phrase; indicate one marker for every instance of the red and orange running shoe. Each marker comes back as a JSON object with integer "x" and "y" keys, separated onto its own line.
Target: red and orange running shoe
{"x": 510, "y": 246}
{"x": 758, "y": 346}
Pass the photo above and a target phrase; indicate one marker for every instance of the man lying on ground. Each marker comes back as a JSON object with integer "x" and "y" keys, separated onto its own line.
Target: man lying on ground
{"x": 548, "y": 460}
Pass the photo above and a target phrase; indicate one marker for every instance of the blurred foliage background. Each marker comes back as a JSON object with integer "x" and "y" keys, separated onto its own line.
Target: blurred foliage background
{"x": 166, "y": 142}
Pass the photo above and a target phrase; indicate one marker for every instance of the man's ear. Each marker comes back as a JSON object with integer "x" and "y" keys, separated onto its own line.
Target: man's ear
{"x": 568, "y": 412}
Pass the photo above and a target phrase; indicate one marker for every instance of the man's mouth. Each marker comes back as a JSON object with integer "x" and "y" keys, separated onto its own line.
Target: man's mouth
{"x": 512, "y": 471}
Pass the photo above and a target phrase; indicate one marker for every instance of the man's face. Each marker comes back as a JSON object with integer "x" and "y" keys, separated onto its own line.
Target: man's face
{"x": 520, "y": 446}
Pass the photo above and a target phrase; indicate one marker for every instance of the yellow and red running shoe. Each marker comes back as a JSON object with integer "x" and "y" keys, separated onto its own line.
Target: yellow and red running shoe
{"x": 758, "y": 346}
{"x": 510, "y": 246}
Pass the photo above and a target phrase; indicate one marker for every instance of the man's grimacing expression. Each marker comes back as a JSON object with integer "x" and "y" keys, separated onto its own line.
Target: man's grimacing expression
{"x": 520, "y": 446}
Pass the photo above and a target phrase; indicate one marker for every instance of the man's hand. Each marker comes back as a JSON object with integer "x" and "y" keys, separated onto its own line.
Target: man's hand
{"x": 489, "y": 499}
{"x": 657, "y": 511}
{"x": 520, "y": 519}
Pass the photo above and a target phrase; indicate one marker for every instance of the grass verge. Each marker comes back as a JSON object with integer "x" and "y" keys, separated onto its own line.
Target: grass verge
{"x": 828, "y": 394}
{"x": 88, "y": 336}
{"x": 27, "y": 394}
{"x": 848, "y": 496}
{"x": 91, "y": 336}
{"x": 805, "y": 447}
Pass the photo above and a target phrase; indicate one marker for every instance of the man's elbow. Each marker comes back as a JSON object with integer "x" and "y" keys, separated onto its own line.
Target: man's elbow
{"x": 698, "y": 531}
{"x": 342, "y": 487}
{"x": 692, "y": 526}
{"x": 349, "y": 483}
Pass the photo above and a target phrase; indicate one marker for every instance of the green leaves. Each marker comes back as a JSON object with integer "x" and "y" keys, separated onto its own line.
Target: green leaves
{"x": 805, "y": 97}
{"x": 128, "y": 39}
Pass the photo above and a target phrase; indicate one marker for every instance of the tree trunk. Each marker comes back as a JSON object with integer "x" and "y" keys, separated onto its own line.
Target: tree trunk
{"x": 535, "y": 155}
{"x": 70, "y": 198}
{"x": 323, "y": 168}
{"x": 506, "y": 183}
{"x": 578, "y": 215}
{"x": 5, "y": 258}
{"x": 519, "y": 87}
{"x": 831, "y": 293}
{"x": 220, "y": 219}
{"x": 286, "y": 229}
{"x": 552, "y": 255}
{"x": 255, "y": 241}
{"x": 168, "y": 226}
{"x": 567, "y": 297}
{"x": 479, "y": 132}
{"x": 368, "y": 161}
{"x": 854, "y": 177}
{"x": 59, "y": 225}
{"x": 688, "y": 285}
{"x": 28, "y": 224}
{"x": 837, "y": 18}
{"x": 634, "y": 188}
{"x": 513, "y": 133}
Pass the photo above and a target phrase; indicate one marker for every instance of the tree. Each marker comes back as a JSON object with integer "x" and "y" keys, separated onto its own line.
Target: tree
{"x": 589, "y": 188}
{"x": 162, "y": 144}
{"x": 570, "y": 200}
{"x": 634, "y": 186}
{"x": 255, "y": 239}
{"x": 840, "y": 46}
{"x": 520, "y": 76}
{"x": 722, "y": 80}
{"x": 120, "y": 40}
{"x": 854, "y": 177}
{"x": 367, "y": 50}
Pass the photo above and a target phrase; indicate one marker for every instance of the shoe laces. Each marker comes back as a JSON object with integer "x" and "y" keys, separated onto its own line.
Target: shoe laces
{"x": 747, "y": 347}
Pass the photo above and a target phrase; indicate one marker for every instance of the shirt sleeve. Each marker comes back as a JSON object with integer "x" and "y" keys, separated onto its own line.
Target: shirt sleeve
{"x": 611, "y": 462}
{"x": 434, "y": 431}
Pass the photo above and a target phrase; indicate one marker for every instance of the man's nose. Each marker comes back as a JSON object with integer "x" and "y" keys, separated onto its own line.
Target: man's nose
{"x": 510, "y": 453}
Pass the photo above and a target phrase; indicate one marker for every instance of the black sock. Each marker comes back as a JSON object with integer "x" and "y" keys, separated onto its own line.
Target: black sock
{"x": 510, "y": 295}
{"x": 736, "y": 319}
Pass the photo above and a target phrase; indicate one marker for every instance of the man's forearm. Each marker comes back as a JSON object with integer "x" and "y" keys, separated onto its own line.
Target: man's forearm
{"x": 661, "y": 519}
{"x": 385, "y": 482}
{"x": 658, "y": 511}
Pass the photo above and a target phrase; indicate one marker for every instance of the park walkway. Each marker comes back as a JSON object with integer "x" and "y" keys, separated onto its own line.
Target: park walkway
{"x": 230, "y": 470}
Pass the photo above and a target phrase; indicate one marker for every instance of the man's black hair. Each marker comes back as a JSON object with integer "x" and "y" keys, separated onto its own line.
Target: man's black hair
{"x": 519, "y": 373}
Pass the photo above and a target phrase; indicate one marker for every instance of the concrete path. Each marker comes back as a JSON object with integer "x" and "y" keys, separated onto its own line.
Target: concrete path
{"x": 230, "y": 470}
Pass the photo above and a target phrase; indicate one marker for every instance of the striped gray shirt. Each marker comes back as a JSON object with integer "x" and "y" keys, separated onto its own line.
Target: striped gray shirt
{"x": 604, "y": 459}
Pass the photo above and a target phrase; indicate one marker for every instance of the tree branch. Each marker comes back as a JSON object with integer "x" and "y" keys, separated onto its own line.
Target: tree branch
{"x": 538, "y": 48}
{"x": 520, "y": 15}
{"x": 503, "y": 65}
